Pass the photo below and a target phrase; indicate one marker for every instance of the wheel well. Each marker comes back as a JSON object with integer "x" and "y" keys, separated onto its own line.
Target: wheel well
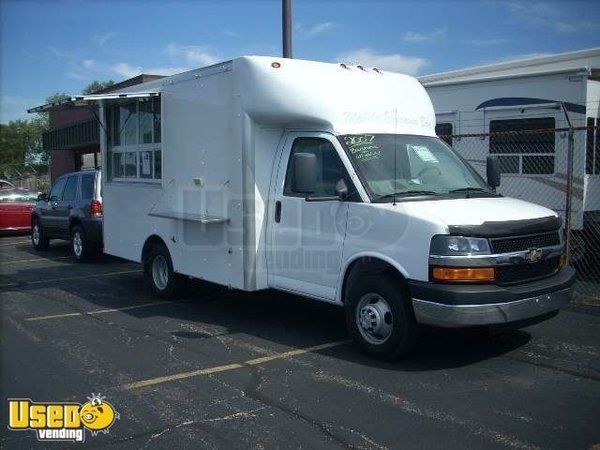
{"x": 371, "y": 265}
{"x": 151, "y": 242}
{"x": 74, "y": 221}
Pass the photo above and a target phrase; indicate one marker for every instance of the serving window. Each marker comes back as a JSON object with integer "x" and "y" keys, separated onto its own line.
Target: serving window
{"x": 134, "y": 140}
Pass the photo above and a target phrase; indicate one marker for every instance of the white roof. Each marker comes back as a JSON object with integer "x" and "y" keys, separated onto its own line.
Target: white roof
{"x": 584, "y": 60}
{"x": 343, "y": 99}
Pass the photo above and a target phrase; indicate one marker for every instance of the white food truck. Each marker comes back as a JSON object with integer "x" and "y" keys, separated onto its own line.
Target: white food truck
{"x": 324, "y": 180}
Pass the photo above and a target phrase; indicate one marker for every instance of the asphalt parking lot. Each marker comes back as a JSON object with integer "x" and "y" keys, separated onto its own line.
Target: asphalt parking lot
{"x": 223, "y": 369}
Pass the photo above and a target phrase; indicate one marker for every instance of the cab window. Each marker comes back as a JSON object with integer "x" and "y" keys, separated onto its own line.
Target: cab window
{"x": 87, "y": 186}
{"x": 70, "y": 191}
{"x": 330, "y": 167}
{"x": 57, "y": 189}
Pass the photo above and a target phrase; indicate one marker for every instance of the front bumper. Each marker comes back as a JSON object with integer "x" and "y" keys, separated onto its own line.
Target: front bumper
{"x": 449, "y": 305}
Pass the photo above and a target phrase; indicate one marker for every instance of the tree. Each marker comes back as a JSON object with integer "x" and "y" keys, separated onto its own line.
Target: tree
{"x": 96, "y": 86}
{"x": 19, "y": 141}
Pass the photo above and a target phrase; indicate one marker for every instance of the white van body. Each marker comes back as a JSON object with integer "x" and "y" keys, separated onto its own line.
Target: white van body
{"x": 220, "y": 208}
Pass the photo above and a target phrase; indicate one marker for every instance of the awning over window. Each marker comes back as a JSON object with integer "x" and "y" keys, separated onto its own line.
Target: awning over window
{"x": 85, "y": 100}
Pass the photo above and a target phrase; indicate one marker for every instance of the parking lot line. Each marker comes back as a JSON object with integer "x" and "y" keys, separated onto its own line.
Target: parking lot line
{"x": 99, "y": 311}
{"x": 233, "y": 366}
{"x": 14, "y": 243}
{"x": 35, "y": 259}
{"x": 79, "y": 277}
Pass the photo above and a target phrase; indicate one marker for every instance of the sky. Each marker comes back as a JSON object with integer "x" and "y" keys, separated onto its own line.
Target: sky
{"x": 61, "y": 46}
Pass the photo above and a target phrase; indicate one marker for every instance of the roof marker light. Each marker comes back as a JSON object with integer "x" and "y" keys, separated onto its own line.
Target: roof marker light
{"x": 275, "y": 65}
{"x": 344, "y": 66}
{"x": 361, "y": 68}
{"x": 375, "y": 69}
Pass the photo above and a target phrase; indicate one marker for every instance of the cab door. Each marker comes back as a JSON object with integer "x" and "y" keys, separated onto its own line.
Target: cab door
{"x": 49, "y": 212}
{"x": 307, "y": 237}
{"x": 66, "y": 205}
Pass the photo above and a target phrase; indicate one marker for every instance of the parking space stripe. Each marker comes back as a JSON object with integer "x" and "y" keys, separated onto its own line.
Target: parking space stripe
{"x": 35, "y": 259}
{"x": 79, "y": 277}
{"x": 98, "y": 311}
{"x": 14, "y": 243}
{"x": 233, "y": 366}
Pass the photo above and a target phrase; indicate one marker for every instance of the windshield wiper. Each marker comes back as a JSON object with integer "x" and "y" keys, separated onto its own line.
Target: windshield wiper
{"x": 400, "y": 194}
{"x": 469, "y": 190}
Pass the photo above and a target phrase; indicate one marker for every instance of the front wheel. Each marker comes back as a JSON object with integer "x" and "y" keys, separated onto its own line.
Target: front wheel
{"x": 159, "y": 275}
{"x": 379, "y": 316}
{"x": 39, "y": 241}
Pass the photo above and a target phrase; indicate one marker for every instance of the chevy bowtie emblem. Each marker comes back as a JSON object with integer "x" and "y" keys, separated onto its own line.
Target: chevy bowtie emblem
{"x": 533, "y": 255}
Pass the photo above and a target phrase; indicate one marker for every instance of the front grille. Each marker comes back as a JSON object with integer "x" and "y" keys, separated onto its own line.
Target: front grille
{"x": 523, "y": 272}
{"x": 520, "y": 243}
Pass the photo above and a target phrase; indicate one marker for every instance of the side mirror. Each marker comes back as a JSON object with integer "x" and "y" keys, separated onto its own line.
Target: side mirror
{"x": 341, "y": 189}
{"x": 493, "y": 172}
{"x": 304, "y": 179}
{"x": 42, "y": 198}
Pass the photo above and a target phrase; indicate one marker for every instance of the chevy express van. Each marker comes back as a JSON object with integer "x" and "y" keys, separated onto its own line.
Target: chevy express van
{"x": 324, "y": 180}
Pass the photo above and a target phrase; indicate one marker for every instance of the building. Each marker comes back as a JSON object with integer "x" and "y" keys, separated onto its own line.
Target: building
{"x": 73, "y": 140}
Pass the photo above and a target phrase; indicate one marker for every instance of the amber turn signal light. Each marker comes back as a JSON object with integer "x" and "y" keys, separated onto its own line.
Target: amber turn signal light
{"x": 464, "y": 274}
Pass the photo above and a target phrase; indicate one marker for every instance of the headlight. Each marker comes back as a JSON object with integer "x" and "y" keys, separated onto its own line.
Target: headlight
{"x": 444, "y": 245}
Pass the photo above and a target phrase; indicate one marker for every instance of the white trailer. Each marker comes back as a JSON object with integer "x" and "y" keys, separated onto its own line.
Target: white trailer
{"x": 324, "y": 180}
{"x": 525, "y": 95}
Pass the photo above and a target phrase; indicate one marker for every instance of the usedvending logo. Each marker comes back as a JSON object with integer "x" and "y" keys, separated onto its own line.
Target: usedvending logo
{"x": 58, "y": 421}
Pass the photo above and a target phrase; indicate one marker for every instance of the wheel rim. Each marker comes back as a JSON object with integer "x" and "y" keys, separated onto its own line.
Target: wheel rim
{"x": 77, "y": 244}
{"x": 160, "y": 272}
{"x": 35, "y": 234}
{"x": 374, "y": 318}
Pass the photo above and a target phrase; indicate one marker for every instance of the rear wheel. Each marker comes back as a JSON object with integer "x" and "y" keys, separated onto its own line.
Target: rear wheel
{"x": 39, "y": 241}
{"x": 82, "y": 248}
{"x": 159, "y": 275}
{"x": 379, "y": 316}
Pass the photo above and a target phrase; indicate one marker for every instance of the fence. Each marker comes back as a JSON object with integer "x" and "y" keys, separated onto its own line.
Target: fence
{"x": 555, "y": 167}
{"x": 34, "y": 177}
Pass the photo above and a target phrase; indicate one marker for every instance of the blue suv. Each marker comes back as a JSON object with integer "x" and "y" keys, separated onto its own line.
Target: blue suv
{"x": 73, "y": 212}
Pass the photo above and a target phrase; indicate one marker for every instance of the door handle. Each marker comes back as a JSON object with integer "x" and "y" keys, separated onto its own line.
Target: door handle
{"x": 70, "y": 206}
{"x": 277, "y": 211}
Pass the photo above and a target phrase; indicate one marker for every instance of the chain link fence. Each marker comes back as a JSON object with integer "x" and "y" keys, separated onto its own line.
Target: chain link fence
{"x": 555, "y": 167}
{"x": 34, "y": 177}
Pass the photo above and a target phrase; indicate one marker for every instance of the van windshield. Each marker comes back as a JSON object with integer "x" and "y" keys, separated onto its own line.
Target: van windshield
{"x": 393, "y": 166}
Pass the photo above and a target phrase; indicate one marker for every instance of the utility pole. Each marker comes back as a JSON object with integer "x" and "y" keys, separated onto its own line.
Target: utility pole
{"x": 286, "y": 20}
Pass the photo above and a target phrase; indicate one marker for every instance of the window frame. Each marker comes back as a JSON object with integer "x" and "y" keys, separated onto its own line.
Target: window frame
{"x": 289, "y": 169}
{"x": 138, "y": 148}
{"x": 521, "y": 155}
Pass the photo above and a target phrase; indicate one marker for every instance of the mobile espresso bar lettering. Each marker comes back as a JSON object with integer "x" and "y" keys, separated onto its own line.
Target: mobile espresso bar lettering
{"x": 62, "y": 421}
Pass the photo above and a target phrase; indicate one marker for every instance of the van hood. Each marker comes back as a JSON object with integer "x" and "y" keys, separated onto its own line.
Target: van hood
{"x": 474, "y": 211}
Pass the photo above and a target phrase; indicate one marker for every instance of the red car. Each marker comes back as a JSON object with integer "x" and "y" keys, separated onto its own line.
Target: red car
{"x": 15, "y": 209}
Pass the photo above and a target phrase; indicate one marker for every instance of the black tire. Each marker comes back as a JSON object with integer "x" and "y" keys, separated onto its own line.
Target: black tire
{"x": 376, "y": 303}
{"x": 83, "y": 249}
{"x": 38, "y": 239}
{"x": 161, "y": 279}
